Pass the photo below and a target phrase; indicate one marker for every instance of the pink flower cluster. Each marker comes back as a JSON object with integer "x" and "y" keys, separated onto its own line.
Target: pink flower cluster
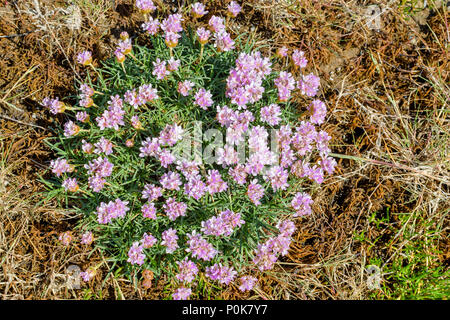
{"x": 98, "y": 169}
{"x": 106, "y": 212}
{"x": 70, "y": 184}
{"x": 234, "y": 8}
{"x": 60, "y": 166}
{"x": 199, "y": 247}
{"x": 136, "y": 254}
{"x": 267, "y": 253}
{"x": 285, "y": 83}
{"x": 71, "y": 129}
{"x": 54, "y": 105}
{"x": 113, "y": 116}
{"x": 172, "y": 26}
{"x": 187, "y": 270}
{"x": 215, "y": 182}
{"x": 203, "y": 98}
{"x": 247, "y": 283}
{"x": 146, "y": 6}
{"x": 146, "y": 93}
{"x": 170, "y": 238}
{"x": 244, "y": 84}
{"x": 182, "y": 293}
{"x": 223, "y": 274}
{"x": 223, "y": 224}
{"x": 302, "y": 204}
{"x": 198, "y": 10}
{"x": 174, "y": 209}
{"x": 151, "y": 26}
{"x": 84, "y": 58}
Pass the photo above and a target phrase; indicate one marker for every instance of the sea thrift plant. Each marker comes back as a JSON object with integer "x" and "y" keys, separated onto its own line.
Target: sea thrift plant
{"x": 188, "y": 158}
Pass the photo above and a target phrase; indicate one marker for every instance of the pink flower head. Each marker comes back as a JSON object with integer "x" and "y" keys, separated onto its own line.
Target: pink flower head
{"x": 278, "y": 178}
{"x": 234, "y": 8}
{"x": 227, "y": 155}
{"x": 223, "y": 42}
{"x": 87, "y": 238}
{"x": 174, "y": 209}
{"x": 247, "y": 283}
{"x": 171, "y": 180}
{"x": 285, "y": 84}
{"x": 151, "y": 192}
{"x": 166, "y": 158}
{"x": 198, "y": 10}
{"x": 195, "y": 187}
{"x": 149, "y": 210}
{"x": 88, "y": 274}
{"x": 129, "y": 143}
{"x": 286, "y": 227}
{"x": 133, "y": 99}
{"x": 171, "y": 39}
{"x": 136, "y": 123}
{"x": 203, "y": 98}
{"x": 54, "y": 105}
{"x": 182, "y": 294}
{"x": 187, "y": 270}
{"x": 60, "y": 166}
{"x": 107, "y": 212}
{"x": 120, "y": 57}
{"x": 199, "y": 247}
{"x": 82, "y": 116}
{"x": 239, "y": 174}
{"x": 170, "y": 238}
{"x": 328, "y": 164}
{"x": 173, "y": 64}
{"x": 150, "y": 147}
{"x": 299, "y": 59}
{"x": 125, "y": 45}
{"x": 71, "y": 129}
{"x": 184, "y": 87}
{"x": 244, "y": 84}
{"x": 302, "y": 204}
{"x": 223, "y": 224}
{"x": 151, "y": 26}
{"x": 188, "y": 168}
{"x": 70, "y": 184}
{"x": 172, "y": 23}
{"x": 136, "y": 254}
{"x": 86, "y": 90}
{"x": 255, "y": 192}
{"x": 203, "y": 35}
{"x": 160, "y": 70}
{"x": 216, "y": 24}
{"x": 148, "y": 241}
{"x": 124, "y": 35}
{"x": 146, "y": 6}
{"x": 100, "y": 167}
{"x": 271, "y": 114}
{"x": 282, "y": 52}
{"x": 309, "y": 85}
{"x": 113, "y": 116}
{"x": 264, "y": 257}
{"x": 96, "y": 183}
{"x": 65, "y": 238}
{"x": 103, "y": 146}
{"x": 147, "y": 93}
{"x": 318, "y": 111}
{"x": 84, "y": 58}
{"x": 221, "y": 273}
{"x": 215, "y": 182}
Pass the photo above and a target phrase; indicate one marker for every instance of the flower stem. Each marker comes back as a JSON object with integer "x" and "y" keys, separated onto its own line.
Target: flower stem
{"x": 201, "y": 52}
